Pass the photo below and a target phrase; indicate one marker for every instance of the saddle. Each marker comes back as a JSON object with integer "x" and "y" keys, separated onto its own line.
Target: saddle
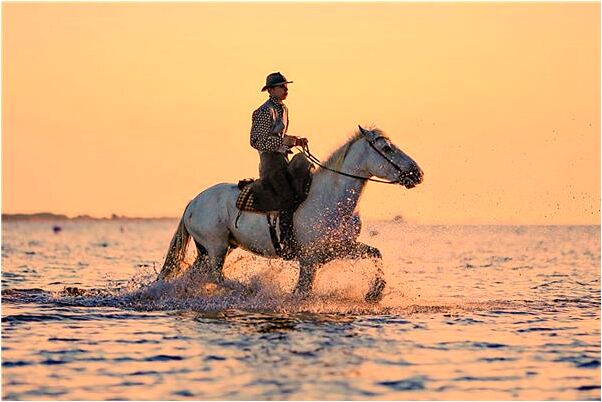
{"x": 300, "y": 171}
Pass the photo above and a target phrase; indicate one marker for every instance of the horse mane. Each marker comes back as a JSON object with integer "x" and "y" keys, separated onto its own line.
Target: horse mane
{"x": 336, "y": 158}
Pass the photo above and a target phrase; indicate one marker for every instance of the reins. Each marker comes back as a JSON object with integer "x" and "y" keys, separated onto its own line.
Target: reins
{"x": 312, "y": 158}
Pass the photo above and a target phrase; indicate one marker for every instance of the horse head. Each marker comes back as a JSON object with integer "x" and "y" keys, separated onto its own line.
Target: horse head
{"x": 386, "y": 161}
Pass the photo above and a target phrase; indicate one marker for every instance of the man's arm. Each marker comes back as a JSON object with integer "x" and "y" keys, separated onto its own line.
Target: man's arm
{"x": 261, "y": 137}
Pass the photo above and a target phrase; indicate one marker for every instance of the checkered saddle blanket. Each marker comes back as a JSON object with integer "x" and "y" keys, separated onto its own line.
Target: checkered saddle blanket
{"x": 245, "y": 202}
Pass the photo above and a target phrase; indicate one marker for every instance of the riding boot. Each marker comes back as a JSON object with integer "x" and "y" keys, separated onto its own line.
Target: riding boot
{"x": 287, "y": 234}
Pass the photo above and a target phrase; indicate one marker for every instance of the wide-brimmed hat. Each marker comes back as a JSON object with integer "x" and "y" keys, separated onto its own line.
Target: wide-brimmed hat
{"x": 275, "y": 79}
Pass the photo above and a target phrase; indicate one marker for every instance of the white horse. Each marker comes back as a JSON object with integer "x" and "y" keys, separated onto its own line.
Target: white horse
{"x": 325, "y": 224}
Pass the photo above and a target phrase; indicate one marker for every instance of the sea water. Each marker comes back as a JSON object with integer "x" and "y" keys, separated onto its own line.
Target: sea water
{"x": 470, "y": 312}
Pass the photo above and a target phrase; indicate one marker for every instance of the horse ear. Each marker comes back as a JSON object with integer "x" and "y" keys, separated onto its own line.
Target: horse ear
{"x": 362, "y": 130}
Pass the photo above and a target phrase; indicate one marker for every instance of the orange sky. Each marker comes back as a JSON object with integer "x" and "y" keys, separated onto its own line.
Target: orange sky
{"x": 134, "y": 108}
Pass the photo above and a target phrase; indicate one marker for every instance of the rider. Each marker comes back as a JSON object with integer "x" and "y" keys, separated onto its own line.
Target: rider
{"x": 268, "y": 136}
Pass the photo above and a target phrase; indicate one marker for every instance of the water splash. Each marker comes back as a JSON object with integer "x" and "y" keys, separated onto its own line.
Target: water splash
{"x": 255, "y": 285}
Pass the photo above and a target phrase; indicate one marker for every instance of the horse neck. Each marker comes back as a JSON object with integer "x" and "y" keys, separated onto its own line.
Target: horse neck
{"x": 335, "y": 195}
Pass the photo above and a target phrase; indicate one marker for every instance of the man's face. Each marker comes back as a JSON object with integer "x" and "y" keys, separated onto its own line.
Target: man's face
{"x": 280, "y": 92}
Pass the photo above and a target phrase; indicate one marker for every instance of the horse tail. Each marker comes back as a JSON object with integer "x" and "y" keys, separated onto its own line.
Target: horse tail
{"x": 176, "y": 253}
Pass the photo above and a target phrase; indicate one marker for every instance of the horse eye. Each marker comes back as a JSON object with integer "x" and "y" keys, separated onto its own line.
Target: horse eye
{"x": 387, "y": 149}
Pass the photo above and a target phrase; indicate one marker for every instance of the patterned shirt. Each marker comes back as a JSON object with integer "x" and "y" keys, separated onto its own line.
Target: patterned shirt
{"x": 266, "y": 133}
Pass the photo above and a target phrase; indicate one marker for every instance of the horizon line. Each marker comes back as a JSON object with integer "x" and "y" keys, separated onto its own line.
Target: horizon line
{"x": 41, "y": 216}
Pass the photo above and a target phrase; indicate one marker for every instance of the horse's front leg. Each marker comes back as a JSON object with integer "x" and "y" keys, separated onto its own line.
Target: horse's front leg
{"x": 359, "y": 250}
{"x": 307, "y": 273}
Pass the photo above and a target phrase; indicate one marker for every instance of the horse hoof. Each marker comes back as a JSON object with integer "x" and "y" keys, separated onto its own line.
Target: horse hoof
{"x": 376, "y": 292}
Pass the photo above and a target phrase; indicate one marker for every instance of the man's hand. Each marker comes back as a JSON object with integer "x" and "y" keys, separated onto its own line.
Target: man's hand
{"x": 301, "y": 141}
{"x": 294, "y": 141}
{"x": 290, "y": 140}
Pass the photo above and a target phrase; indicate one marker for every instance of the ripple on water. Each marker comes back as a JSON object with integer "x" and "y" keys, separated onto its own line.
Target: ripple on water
{"x": 393, "y": 362}
{"x": 581, "y": 361}
{"x": 464, "y": 345}
{"x": 409, "y": 384}
{"x": 214, "y": 358}
{"x": 497, "y": 359}
{"x": 185, "y": 393}
{"x": 53, "y": 339}
{"x": 54, "y": 362}
{"x": 18, "y": 363}
{"x": 139, "y": 341}
{"x": 487, "y": 378}
{"x": 588, "y": 388}
{"x": 163, "y": 358}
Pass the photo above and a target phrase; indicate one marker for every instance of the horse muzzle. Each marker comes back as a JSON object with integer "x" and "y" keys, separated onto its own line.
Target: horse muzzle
{"x": 412, "y": 178}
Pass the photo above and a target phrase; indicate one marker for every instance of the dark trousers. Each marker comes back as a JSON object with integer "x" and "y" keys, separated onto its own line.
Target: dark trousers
{"x": 273, "y": 191}
{"x": 282, "y": 186}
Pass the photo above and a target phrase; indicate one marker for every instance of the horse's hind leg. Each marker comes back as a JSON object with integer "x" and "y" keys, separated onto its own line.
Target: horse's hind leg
{"x": 201, "y": 260}
{"x": 215, "y": 263}
{"x": 211, "y": 258}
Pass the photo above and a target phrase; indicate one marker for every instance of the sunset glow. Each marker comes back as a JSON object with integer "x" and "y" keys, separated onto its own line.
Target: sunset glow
{"x": 134, "y": 108}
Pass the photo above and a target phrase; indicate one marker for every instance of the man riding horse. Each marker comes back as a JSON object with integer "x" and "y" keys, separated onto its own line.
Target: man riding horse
{"x": 227, "y": 215}
{"x": 274, "y": 190}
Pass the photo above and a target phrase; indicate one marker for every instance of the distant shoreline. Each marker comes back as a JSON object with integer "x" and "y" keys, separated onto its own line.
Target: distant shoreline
{"x": 48, "y": 216}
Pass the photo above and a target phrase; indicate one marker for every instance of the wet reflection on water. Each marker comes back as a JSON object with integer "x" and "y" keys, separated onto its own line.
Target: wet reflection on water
{"x": 470, "y": 313}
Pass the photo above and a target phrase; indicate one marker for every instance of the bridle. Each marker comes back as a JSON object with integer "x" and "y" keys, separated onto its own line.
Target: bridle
{"x": 402, "y": 173}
